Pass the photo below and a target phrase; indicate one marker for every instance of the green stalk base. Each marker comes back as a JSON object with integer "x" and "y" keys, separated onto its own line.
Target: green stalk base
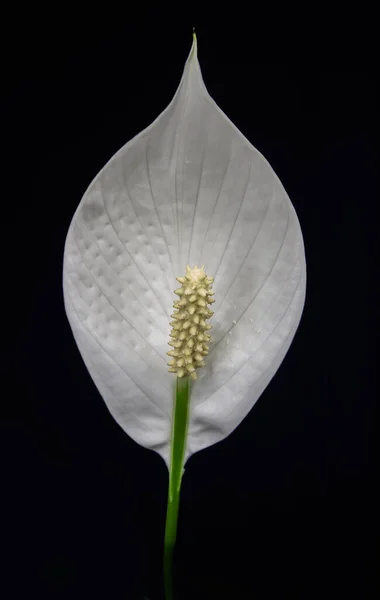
{"x": 178, "y": 447}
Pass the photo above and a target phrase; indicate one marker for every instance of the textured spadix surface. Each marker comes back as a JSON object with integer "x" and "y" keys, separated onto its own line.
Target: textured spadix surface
{"x": 189, "y": 189}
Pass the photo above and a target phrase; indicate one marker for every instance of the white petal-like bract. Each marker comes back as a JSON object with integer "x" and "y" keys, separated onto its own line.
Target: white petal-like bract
{"x": 189, "y": 189}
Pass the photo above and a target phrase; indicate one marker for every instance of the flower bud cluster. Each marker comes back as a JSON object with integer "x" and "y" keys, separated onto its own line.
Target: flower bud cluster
{"x": 189, "y": 335}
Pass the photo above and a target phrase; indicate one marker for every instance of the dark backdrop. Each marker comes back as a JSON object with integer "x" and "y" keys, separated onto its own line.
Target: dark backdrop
{"x": 284, "y": 507}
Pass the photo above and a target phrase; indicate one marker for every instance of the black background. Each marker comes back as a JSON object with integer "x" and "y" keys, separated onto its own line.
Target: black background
{"x": 285, "y": 506}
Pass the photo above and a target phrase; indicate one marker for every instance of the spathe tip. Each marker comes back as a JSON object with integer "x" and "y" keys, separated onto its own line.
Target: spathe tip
{"x": 194, "y": 47}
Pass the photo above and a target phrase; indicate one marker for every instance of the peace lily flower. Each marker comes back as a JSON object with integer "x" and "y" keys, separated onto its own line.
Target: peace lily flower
{"x": 189, "y": 190}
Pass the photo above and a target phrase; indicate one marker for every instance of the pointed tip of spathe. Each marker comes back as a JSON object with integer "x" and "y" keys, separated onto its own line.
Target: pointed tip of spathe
{"x": 194, "y": 47}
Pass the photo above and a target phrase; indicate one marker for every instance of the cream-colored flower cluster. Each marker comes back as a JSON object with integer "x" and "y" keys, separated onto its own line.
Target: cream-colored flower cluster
{"x": 189, "y": 337}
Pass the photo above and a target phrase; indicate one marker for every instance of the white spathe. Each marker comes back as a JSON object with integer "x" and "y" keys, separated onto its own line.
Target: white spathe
{"x": 189, "y": 189}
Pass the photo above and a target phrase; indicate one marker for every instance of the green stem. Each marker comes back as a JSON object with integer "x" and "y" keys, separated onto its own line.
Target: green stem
{"x": 178, "y": 447}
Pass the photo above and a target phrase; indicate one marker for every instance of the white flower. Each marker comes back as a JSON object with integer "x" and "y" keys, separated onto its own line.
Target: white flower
{"x": 189, "y": 189}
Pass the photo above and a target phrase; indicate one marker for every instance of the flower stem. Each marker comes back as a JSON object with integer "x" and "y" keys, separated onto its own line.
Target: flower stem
{"x": 178, "y": 446}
